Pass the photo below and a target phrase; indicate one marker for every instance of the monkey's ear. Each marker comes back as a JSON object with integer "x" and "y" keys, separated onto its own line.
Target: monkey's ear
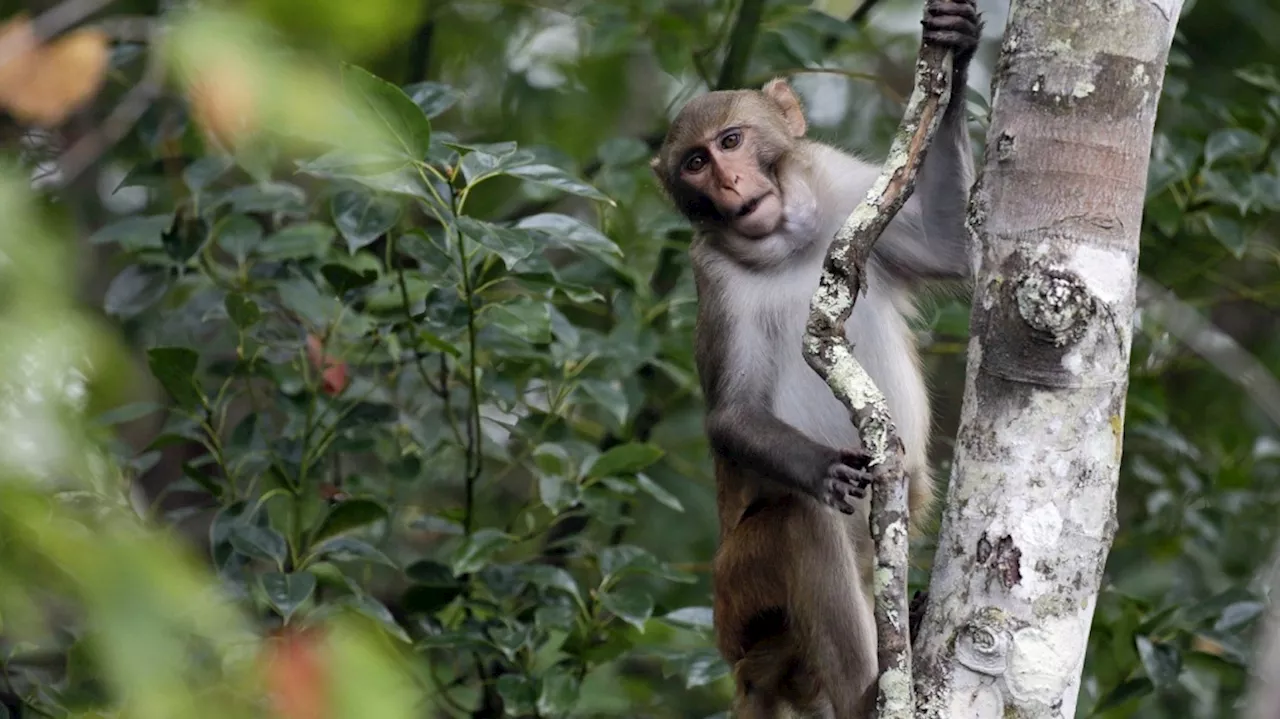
{"x": 655, "y": 164}
{"x": 785, "y": 98}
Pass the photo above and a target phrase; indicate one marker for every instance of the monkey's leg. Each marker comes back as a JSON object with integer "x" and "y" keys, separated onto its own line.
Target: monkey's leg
{"x": 835, "y": 614}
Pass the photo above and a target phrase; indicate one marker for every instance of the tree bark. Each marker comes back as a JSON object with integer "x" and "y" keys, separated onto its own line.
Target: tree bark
{"x": 1055, "y": 217}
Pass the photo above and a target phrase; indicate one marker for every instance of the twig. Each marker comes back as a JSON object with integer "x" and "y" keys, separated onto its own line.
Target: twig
{"x": 828, "y": 353}
{"x": 116, "y": 125}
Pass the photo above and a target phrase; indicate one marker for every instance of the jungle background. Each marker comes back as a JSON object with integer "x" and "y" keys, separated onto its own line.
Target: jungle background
{"x": 345, "y": 354}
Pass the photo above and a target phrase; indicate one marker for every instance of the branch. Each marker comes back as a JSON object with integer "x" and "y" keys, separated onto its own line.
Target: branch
{"x": 829, "y": 354}
{"x": 741, "y": 42}
{"x": 859, "y": 16}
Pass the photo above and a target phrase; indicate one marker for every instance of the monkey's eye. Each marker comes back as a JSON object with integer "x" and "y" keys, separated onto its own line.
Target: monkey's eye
{"x": 731, "y": 140}
{"x": 695, "y": 163}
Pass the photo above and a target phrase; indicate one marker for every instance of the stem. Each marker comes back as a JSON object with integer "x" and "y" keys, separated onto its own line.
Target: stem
{"x": 827, "y": 351}
{"x": 741, "y": 42}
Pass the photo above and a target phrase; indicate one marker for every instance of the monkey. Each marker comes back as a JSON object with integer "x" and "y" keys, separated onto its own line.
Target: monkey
{"x": 791, "y": 573}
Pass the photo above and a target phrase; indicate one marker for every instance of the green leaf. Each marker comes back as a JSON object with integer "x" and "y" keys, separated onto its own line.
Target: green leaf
{"x": 620, "y": 560}
{"x": 287, "y": 592}
{"x": 184, "y": 238}
{"x": 1231, "y": 143}
{"x": 260, "y": 543}
{"x": 608, "y": 396}
{"x": 205, "y": 171}
{"x": 438, "y": 525}
{"x": 1238, "y": 614}
{"x": 1126, "y": 692}
{"x": 404, "y": 122}
{"x": 243, "y": 311}
{"x": 206, "y": 481}
{"x": 175, "y": 369}
{"x": 1228, "y": 231}
{"x": 478, "y": 549}
{"x": 632, "y": 606}
{"x": 653, "y": 489}
{"x": 372, "y": 608}
{"x": 519, "y": 695}
{"x": 135, "y": 290}
{"x": 549, "y": 577}
{"x": 557, "y": 493}
{"x": 699, "y": 667}
{"x": 624, "y": 459}
{"x": 433, "y": 98}
{"x": 268, "y": 197}
{"x": 554, "y": 177}
{"x": 363, "y": 217}
{"x": 1162, "y": 661}
{"x": 510, "y": 245}
{"x": 364, "y": 414}
{"x": 559, "y": 694}
{"x": 349, "y": 515}
{"x": 571, "y": 233}
{"x": 699, "y": 618}
{"x": 344, "y": 278}
{"x": 238, "y": 235}
{"x": 350, "y": 549}
{"x": 134, "y": 233}
{"x": 525, "y": 318}
{"x": 296, "y": 242}
{"x": 126, "y": 413}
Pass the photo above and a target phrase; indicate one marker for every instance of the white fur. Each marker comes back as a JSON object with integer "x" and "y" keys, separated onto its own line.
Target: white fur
{"x": 774, "y": 283}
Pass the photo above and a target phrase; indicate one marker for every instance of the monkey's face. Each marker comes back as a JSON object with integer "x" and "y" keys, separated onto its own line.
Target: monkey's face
{"x": 719, "y": 161}
{"x": 727, "y": 171}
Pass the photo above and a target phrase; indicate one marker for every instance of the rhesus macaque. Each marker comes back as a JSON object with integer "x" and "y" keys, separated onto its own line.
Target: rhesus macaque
{"x": 791, "y": 576}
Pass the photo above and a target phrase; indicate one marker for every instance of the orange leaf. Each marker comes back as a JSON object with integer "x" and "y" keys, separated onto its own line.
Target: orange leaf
{"x": 296, "y": 675}
{"x": 333, "y": 372}
{"x": 223, "y": 103}
{"x": 42, "y": 85}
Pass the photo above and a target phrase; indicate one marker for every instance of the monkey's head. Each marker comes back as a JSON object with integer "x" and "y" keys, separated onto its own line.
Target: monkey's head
{"x": 719, "y": 159}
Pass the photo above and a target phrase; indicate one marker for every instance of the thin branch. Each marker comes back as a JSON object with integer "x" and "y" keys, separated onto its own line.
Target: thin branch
{"x": 828, "y": 353}
{"x": 116, "y": 125}
{"x": 741, "y": 42}
{"x": 859, "y": 15}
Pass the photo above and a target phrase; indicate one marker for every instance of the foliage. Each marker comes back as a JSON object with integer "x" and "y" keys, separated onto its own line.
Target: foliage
{"x": 392, "y": 329}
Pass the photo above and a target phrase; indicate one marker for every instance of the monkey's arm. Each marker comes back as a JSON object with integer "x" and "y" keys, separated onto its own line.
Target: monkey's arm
{"x": 741, "y": 426}
{"x": 932, "y": 242}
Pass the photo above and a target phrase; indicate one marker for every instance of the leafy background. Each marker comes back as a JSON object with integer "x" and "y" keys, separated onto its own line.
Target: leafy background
{"x": 347, "y": 370}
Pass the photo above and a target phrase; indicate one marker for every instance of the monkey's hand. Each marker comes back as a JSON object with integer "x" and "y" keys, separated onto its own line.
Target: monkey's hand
{"x": 954, "y": 24}
{"x": 847, "y": 480}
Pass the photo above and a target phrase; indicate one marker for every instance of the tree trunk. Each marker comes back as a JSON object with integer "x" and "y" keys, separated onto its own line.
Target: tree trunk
{"x": 1056, "y": 218}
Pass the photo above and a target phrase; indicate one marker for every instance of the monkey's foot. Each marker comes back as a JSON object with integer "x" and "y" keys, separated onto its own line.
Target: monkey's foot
{"x": 955, "y": 24}
{"x": 847, "y": 480}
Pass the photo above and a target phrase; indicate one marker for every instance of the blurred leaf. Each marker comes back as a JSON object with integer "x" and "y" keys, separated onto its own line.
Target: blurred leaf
{"x": 134, "y": 233}
{"x": 349, "y": 515}
{"x": 525, "y": 318}
{"x": 175, "y": 368}
{"x": 559, "y": 694}
{"x": 243, "y": 311}
{"x": 135, "y": 290}
{"x": 295, "y": 242}
{"x": 238, "y": 235}
{"x": 624, "y": 459}
{"x": 519, "y": 695}
{"x": 350, "y": 549}
{"x": 363, "y": 217}
{"x": 476, "y": 551}
{"x": 1162, "y": 661}
{"x": 570, "y": 233}
{"x": 1228, "y": 231}
{"x": 508, "y": 244}
{"x": 401, "y": 119}
{"x": 1231, "y": 143}
{"x": 287, "y": 592}
{"x": 552, "y": 176}
{"x": 692, "y": 617}
{"x": 433, "y": 98}
{"x": 1123, "y": 694}
{"x": 260, "y": 543}
{"x": 632, "y": 606}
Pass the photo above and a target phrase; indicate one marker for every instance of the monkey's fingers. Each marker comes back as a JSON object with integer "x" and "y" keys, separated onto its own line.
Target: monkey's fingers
{"x": 958, "y": 8}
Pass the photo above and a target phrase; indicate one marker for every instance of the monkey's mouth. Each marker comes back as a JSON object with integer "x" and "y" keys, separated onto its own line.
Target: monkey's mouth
{"x": 750, "y": 206}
